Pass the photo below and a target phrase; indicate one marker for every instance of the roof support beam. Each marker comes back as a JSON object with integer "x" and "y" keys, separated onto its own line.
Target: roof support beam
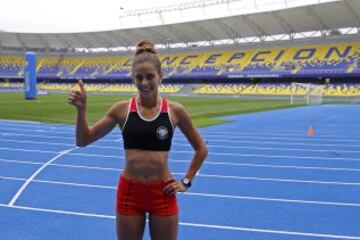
{"x": 202, "y": 30}
{"x": 283, "y": 23}
{"x": 157, "y": 37}
{"x": 324, "y": 27}
{"x": 259, "y": 32}
{"x": 123, "y": 42}
{"x": 83, "y": 40}
{"x": 64, "y": 42}
{"x": 353, "y": 13}
{"x": 226, "y": 28}
{"x": 180, "y": 34}
{"x": 98, "y": 37}
{"x": 135, "y": 35}
{"x": 43, "y": 42}
{"x": 21, "y": 41}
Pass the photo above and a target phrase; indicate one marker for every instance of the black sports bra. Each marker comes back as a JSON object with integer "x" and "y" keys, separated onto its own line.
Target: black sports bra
{"x": 148, "y": 134}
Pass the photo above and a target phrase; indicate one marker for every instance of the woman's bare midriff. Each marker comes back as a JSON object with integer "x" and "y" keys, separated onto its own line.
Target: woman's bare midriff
{"x": 146, "y": 166}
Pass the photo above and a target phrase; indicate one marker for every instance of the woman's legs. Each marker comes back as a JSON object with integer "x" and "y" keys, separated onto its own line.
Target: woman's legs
{"x": 163, "y": 228}
{"x": 130, "y": 227}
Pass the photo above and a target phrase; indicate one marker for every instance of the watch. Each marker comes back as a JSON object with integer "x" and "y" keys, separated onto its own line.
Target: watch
{"x": 186, "y": 182}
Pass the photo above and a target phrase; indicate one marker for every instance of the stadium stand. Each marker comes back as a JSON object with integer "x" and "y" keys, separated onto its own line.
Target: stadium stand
{"x": 332, "y": 60}
{"x": 339, "y": 59}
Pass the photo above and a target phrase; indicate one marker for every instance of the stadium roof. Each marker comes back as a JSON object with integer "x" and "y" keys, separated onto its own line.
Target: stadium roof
{"x": 182, "y": 25}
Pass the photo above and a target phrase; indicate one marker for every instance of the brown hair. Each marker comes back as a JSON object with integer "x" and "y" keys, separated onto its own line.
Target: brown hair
{"x": 145, "y": 52}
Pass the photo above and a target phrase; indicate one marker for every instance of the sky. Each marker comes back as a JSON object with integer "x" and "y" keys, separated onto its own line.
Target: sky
{"x": 66, "y": 15}
{"x": 70, "y": 16}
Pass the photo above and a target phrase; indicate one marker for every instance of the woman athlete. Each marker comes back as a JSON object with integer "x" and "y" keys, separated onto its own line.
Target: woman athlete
{"x": 147, "y": 122}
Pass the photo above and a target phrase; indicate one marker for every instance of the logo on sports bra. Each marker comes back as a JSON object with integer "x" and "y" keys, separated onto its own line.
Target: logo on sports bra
{"x": 162, "y": 133}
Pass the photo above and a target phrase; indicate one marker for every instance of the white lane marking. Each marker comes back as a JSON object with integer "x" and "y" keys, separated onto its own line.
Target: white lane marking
{"x": 31, "y": 178}
{"x": 198, "y": 225}
{"x": 227, "y": 137}
{"x": 46, "y": 210}
{"x": 116, "y": 147}
{"x": 210, "y": 154}
{"x": 71, "y": 129}
{"x": 198, "y": 194}
{"x": 199, "y": 174}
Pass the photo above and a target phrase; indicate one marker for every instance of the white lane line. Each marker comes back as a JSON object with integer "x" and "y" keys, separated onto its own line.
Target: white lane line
{"x": 116, "y": 147}
{"x": 46, "y": 210}
{"x": 70, "y": 129}
{"x": 272, "y": 166}
{"x": 204, "y": 133}
{"x": 247, "y": 178}
{"x": 282, "y": 180}
{"x": 175, "y": 143}
{"x": 282, "y": 138}
{"x": 259, "y": 230}
{"x": 12, "y": 178}
{"x": 20, "y": 161}
{"x": 307, "y": 143}
{"x": 61, "y": 183}
{"x": 272, "y": 156}
{"x": 28, "y": 150}
{"x": 210, "y": 154}
{"x": 198, "y": 225}
{"x": 210, "y": 195}
{"x": 31, "y": 178}
{"x": 205, "y": 136}
{"x": 46, "y": 126}
{"x": 37, "y": 142}
{"x": 181, "y": 139}
{"x": 186, "y": 162}
{"x": 299, "y": 133}
{"x": 248, "y": 147}
{"x": 198, "y": 194}
{"x": 41, "y": 136}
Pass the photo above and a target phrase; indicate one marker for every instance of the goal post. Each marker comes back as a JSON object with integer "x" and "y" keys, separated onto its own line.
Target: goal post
{"x": 306, "y": 93}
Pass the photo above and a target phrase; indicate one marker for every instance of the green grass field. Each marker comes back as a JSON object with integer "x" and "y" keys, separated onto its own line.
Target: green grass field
{"x": 53, "y": 108}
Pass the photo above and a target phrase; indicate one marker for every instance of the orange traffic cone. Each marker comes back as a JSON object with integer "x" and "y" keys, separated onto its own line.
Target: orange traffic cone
{"x": 311, "y": 131}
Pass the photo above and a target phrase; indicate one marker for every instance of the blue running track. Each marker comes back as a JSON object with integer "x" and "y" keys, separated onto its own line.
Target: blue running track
{"x": 265, "y": 178}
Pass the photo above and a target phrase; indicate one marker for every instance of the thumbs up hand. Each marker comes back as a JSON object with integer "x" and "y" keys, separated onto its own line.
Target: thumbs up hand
{"x": 77, "y": 98}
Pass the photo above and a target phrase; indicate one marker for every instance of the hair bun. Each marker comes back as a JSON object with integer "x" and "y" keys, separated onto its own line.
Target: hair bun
{"x": 145, "y": 46}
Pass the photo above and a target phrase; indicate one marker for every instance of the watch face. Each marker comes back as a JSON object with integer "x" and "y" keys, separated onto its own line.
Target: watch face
{"x": 186, "y": 181}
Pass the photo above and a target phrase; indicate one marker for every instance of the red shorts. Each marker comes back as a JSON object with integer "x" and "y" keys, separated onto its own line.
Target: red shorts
{"x": 135, "y": 198}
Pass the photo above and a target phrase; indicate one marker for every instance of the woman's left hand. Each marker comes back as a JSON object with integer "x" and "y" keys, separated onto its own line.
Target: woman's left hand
{"x": 173, "y": 186}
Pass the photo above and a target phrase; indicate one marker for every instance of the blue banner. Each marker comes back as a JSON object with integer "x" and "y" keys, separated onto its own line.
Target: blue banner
{"x": 30, "y": 76}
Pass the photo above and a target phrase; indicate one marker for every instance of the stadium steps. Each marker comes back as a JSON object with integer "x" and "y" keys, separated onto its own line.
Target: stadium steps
{"x": 189, "y": 89}
{"x": 113, "y": 67}
{"x": 21, "y": 72}
{"x": 296, "y": 70}
{"x": 38, "y": 67}
{"x": 77, "y": 67}
{"x": 351, "y": 68}
{"x": 220, "y": 72}
{"x": 94, "y": 73}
